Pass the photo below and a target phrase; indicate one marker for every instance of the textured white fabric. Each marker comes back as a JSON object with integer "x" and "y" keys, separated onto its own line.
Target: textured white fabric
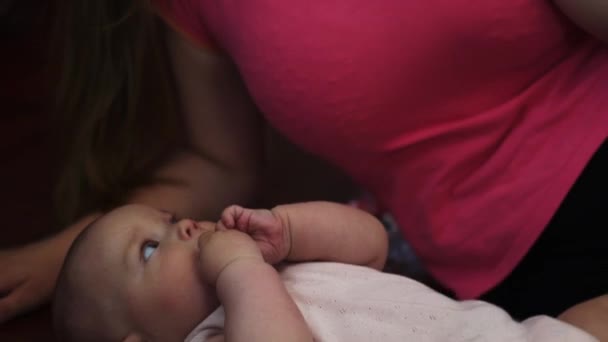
{"x": 351, "y": 303}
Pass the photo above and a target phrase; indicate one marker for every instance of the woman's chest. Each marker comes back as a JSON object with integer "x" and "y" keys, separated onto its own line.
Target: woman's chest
{"x": 326, "y": 67}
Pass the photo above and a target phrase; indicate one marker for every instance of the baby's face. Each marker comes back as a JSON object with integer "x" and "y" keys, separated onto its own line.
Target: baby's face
{"x": 150, "y": 263}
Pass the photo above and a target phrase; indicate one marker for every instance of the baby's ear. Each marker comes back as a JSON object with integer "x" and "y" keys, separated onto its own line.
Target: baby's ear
{"x": 133, "y": 337}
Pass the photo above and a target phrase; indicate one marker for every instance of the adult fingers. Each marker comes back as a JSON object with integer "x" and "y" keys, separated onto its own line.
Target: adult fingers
{"x": 10, "y": 278}
{"x": 14, "y": 303}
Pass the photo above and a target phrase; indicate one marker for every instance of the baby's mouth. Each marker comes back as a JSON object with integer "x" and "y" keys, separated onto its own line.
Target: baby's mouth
{"x": 204, "y": 226}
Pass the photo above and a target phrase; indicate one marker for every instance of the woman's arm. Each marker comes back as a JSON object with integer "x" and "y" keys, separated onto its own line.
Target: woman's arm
{"x": 591, "y": 15}
{"x": 591, "y": 316}
{"x": 224, "y": 130}
{"x": 29, "y": 273}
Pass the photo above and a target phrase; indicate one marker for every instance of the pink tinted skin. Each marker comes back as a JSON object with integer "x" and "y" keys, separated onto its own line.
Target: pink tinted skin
{"x": 151, "y": 261}
{"x": 154, "y": 264}
{"x": 256, "y": 303}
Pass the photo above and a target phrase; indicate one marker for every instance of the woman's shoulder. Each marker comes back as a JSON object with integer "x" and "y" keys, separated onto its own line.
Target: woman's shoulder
{"x": 184, "y": 17}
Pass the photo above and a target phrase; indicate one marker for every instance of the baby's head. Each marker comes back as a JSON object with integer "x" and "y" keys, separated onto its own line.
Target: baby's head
{"x": 133, "y": 275}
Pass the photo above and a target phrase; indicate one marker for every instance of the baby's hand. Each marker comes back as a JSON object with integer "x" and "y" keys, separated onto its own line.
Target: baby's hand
{"x": 221, "y": 248}
{"x": 268, "y": 231}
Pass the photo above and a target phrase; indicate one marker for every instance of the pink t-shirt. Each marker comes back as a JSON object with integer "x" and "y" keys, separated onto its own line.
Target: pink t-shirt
{"x": 468, "y": 120}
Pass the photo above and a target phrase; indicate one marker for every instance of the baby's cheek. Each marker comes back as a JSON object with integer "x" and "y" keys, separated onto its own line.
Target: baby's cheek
{"x": 181, "y": 291}
{"x": 169, "y": 312}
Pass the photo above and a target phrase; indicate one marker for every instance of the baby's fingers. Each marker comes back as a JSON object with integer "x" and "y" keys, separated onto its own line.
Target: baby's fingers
{"x": 219, "y": 248}
{"x": 230, "y": 216}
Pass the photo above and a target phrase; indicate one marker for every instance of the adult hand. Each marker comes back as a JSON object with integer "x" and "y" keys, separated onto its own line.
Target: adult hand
{"x": 222, "y": 248}
{"x": 28, "y": 276}
{"x": 267, "y": 230}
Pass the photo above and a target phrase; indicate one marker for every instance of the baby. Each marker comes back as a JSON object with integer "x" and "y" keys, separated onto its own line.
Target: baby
{"x": 139, "y": 274}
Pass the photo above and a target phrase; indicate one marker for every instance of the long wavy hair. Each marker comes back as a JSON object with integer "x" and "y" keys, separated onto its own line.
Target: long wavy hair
{"x": 116, "y": 114}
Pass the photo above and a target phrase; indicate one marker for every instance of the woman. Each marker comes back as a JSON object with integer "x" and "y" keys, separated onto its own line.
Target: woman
{"x": 470, "y": 123}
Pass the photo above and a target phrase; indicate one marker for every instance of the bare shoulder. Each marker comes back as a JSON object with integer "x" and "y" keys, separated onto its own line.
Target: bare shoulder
{"x": 591, "y": 15}
{"x": 223, "y": 123}
{"x": 590, "y": 316}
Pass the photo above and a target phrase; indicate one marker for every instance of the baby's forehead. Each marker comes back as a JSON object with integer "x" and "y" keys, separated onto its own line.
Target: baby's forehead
{"x": 102, "y": 234}
{"x": 115, "y": 227}
{"x": 124, "y": 217}
{"x": 98, "y": 263}
{"x": 130, "y": 211}
{"x": 104, "y": 240}
{"x": 92, "y": 248}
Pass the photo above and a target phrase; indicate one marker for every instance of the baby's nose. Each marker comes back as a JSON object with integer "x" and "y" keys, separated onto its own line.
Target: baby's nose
{"x": 187, "y": 229}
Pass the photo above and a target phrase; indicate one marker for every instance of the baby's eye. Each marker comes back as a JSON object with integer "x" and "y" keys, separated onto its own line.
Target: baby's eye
{"x": 148, "y": 248}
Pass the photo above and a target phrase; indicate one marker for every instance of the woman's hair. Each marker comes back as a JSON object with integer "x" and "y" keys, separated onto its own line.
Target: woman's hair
{"x": 116, "y": 118}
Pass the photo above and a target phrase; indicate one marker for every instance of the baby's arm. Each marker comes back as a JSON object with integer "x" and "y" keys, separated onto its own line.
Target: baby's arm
{"x": 334, "y": 232}
{"x": 256, "y": 303}
{"x": 313, "y": 231}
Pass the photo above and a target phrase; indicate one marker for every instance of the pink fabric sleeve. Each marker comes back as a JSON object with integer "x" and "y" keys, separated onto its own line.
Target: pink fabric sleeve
{"x": 184, "y": 16}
